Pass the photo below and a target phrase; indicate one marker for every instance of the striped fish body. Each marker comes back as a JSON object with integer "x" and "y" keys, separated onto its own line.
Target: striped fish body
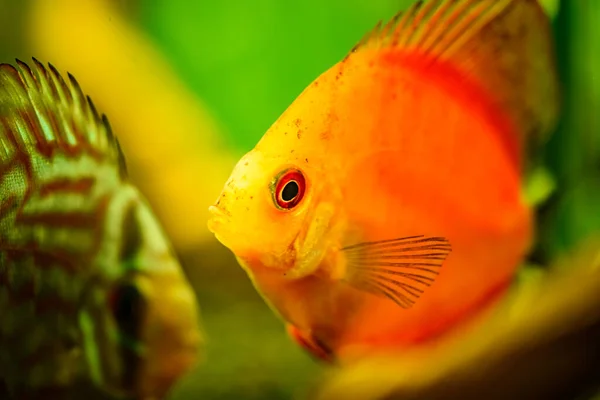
{"x": 88, "y": 280}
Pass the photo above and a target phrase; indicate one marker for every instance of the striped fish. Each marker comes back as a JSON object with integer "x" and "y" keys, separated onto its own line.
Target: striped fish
{"x": 90, "y": 288}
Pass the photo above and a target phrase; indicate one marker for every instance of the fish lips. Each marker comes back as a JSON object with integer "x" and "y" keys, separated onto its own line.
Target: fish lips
{"x": 217, "y": 222}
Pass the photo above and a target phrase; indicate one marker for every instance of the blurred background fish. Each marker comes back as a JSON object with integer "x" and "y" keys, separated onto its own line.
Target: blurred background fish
{"x": 383, "y": 209}
{"x": 215, "y": 75}
{"x": 90, "y": 289}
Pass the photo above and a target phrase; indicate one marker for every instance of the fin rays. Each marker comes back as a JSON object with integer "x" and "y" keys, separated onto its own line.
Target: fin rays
{"x": 436, "y": 27}
{"x": 59, "y": 116}
{"x": 503, "y": 46}
{"x": 398, "y": 269}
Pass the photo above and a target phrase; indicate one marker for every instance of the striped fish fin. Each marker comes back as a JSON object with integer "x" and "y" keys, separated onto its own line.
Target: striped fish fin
{"x": 40, "y": 111}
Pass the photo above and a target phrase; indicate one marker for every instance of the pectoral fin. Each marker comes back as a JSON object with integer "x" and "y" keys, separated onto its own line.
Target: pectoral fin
{"x": 399, "y": 269}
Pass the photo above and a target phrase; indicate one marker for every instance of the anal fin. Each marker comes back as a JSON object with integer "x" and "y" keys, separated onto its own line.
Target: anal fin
{"x": 313, "y": 346}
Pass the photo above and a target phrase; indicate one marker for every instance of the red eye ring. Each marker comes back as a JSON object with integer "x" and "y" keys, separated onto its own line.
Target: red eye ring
{"x": 290, "y": 187}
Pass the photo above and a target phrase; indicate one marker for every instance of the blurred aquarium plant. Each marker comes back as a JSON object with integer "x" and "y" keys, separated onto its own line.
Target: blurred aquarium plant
{"x": 190, "y": 86}
{"x": 573, "y": 153}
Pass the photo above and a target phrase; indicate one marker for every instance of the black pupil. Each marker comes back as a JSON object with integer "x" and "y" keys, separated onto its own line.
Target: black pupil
{"x": 128, "y": 312}
{"x": 290, "y": 191}
{"x": 128, "y": 309}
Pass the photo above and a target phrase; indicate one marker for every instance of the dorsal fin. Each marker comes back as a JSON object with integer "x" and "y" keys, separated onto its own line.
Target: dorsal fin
{"x": 503, "y": 45}
{"x": 49, "y": 115}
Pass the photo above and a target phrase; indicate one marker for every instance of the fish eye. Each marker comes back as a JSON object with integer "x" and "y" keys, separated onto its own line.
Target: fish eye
{"x": 127, "y": 306}
{"x": 290, "y": 186}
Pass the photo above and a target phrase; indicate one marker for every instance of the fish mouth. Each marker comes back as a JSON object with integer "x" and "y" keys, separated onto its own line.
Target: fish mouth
{"x": 216, "y": 219}
{"x": 217, "y": 222}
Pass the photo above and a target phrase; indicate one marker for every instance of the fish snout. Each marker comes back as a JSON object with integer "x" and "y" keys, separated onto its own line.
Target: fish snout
{"x": 215, "y": 211}
{"x": 217, "y": 217}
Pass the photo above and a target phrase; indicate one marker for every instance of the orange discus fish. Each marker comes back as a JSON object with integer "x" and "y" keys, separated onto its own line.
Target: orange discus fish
{"x": 383, "y": 208}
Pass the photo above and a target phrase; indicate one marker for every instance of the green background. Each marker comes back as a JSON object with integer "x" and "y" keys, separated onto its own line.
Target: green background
{"x": 248, "y": 60}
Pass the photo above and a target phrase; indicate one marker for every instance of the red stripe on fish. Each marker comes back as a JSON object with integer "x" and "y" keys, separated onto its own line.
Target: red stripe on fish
{"x": 48, "y": 148}
{"x": 451, "y": 79}
{"x": 98, "y": 214}
{"x": 67, "y": 185}
{"x": 6, "y": 168}
{"x": 41, "y": 258}
{"x": 42, "y": 145}
{"x": 36, "y": 115}
{"x": 86, "y": 220}
{"x": 73, "y": 219}
{"x": 29, "y": 290}
{"x": 7, "y": 204}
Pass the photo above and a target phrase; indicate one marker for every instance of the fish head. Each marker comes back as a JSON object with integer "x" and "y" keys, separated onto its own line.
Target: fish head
{"x": 142, "y": 329}
{"x": 270, "y": 212}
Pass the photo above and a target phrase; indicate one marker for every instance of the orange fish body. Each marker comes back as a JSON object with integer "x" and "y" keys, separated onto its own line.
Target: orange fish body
{"x": 397, "y": 169}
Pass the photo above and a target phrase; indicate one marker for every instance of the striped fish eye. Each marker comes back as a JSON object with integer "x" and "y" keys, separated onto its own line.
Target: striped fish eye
{"x": 128, "y": 307}
{"x": 126, "y": 302}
